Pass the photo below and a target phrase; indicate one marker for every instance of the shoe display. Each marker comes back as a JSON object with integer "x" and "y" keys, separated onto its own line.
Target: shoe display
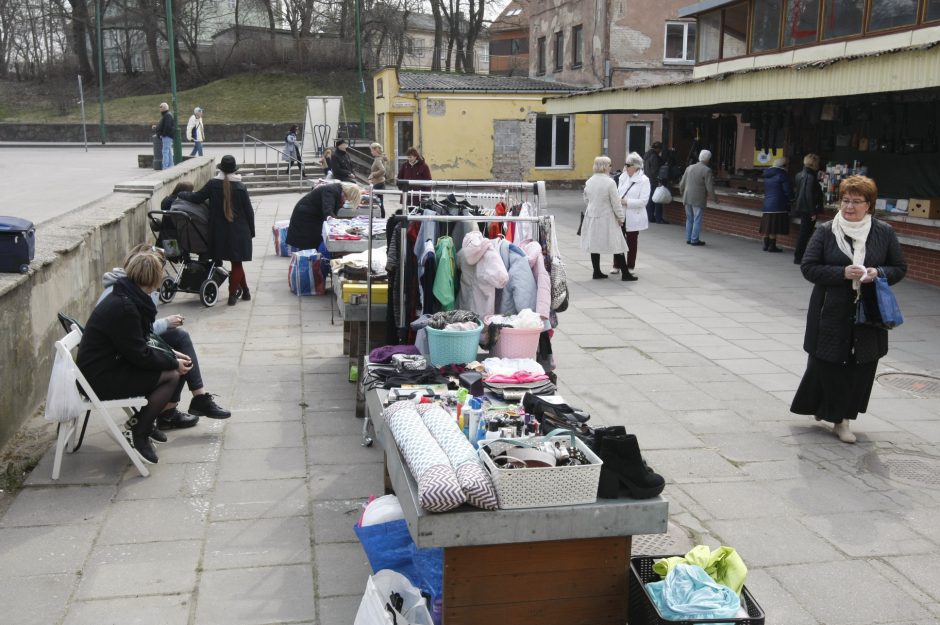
{"x": 205, "y": 406}
{"x": 174, "y": 419}
{"x": 144, "y": 447}
{"x": 698, "y": 243}
{"x": 624, "y": 466}
{"x": 552, "y": 415}
{"x": 843, "y": 432}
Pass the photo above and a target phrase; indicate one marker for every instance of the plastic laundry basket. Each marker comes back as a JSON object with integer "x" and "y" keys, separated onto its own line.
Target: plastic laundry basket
{"x": 450, "y": 347}
{"x": 517, "y": 342}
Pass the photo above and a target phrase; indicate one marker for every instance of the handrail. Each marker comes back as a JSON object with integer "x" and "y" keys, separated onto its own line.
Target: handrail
{"x": 281, "y": 153}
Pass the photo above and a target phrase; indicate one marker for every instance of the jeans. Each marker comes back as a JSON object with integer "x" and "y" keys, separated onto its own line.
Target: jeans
{"x": 179, "y": 339}
{"x": 654, "y": 211}
{"x": 167, "y": 152}
{"x": 693, "y": 222}
{"x": 197, "y": 149}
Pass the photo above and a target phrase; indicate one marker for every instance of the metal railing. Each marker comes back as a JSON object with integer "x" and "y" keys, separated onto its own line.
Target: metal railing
{"x": 280, "y": 156}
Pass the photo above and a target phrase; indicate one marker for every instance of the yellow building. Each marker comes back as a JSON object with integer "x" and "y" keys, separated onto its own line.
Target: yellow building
{"x": 472, "y": 127}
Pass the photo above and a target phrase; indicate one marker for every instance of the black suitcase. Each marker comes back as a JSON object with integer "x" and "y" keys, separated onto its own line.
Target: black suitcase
{"x": 17, "y": 244}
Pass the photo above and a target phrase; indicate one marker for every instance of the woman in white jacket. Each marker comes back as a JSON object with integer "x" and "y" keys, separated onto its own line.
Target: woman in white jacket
{"x": 634, "y": 191}
{"x": 603, "y": 218}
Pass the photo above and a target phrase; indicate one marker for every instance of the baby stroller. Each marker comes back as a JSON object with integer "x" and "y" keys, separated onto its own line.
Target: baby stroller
{"x": 182, "y": 232}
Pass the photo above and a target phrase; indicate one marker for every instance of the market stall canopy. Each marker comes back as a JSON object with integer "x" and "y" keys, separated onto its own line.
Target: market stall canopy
{"x": 907, "y": 68}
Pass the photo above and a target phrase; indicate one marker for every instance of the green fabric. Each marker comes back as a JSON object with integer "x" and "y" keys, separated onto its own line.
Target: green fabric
{"x": 445, "y": 278}
{"x": 723, "y": 565}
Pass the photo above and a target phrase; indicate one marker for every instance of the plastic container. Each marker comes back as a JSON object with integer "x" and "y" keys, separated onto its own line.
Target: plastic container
{"x": 644, "y": 612}
{"x": 517, "y": 342}
{"x": 453, "y": 347}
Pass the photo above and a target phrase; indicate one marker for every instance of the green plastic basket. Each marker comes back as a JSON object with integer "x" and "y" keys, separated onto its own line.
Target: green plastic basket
{"x": 453, "y": 347}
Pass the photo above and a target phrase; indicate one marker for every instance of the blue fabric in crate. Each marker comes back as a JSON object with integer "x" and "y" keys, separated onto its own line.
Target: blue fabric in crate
{"x": 688, "y": 593}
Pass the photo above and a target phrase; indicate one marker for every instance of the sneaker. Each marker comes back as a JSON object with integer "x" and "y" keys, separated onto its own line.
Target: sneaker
{"x": 174, "y": 419}
{"x": 157, "y": 436}
{"x": 614, "y": 272}
{"x": 145, "y": 448}
{"x": 204, "y": 406}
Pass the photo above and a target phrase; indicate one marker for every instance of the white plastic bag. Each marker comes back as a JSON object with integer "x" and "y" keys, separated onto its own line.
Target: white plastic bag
{"x": 382, "y": 510}
{"x": 62, "y": 399}
{"x": 372, "y": 608}
{"x": 662, "y": 195}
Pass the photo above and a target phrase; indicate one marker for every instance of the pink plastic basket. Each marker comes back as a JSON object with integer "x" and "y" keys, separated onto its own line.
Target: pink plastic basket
{"x": 517, "y": 343}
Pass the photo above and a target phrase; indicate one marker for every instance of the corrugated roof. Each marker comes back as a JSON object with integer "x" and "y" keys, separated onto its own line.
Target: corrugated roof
{"x": 701, "y": 7}
{"x": 443, "y": 81}
{"x": 900, "y": 69}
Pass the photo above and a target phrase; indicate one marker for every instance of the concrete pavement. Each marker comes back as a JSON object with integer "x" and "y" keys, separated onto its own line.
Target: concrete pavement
{"x": 249, "y": 520}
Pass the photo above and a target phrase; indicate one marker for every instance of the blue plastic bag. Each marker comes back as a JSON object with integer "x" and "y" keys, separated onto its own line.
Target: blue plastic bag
{"x": 688, "y": 593}
{"x": 888, "y": 313}
{"x": 389, "y": 546}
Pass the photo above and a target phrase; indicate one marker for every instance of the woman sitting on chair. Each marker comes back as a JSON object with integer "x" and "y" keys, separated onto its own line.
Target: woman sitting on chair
{"x": 120, "y": 359}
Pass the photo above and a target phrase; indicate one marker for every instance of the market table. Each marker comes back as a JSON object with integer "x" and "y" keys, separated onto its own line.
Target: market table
{"x": 565, "y": 565}
{"x": 354, "y": 318}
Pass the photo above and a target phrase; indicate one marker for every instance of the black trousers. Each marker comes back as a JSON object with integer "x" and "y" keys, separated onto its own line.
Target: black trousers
{"x": 807, "y": 226}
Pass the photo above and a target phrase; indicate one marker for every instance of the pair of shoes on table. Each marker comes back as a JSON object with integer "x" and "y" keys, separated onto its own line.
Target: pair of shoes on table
{"x": 624, "y": 466}
{"x": 552, "y": 415}
{"x": 175, "y": 419}
{"x": 205, "y": 406}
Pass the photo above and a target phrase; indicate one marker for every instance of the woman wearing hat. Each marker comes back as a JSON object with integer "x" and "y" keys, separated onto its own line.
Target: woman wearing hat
{"x": 231, "y": 223}
{"x": 340, "y": 163}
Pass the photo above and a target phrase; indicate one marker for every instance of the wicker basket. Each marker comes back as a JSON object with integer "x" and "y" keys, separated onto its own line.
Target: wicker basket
{"x": 453, "y": 347}
{"x": 517, "y": 343}
{"x": 644, "y": 612}
{"x": 543, "y": 487}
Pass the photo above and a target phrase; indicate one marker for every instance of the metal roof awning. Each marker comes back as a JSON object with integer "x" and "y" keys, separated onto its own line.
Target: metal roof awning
{"x": 904, "y": 69}
{"x": 701, "y": 7}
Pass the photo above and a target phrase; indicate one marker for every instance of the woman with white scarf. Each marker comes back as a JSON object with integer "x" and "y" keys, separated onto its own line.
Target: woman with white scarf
{"x": 634, "y": 191}
{"x": 842, "y": 259}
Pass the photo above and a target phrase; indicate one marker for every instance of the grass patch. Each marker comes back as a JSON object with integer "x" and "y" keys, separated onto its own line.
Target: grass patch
{"x": 260, "y": 98}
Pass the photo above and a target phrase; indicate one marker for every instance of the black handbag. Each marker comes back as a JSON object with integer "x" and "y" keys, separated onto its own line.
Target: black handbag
{"x": 580, "y": 223}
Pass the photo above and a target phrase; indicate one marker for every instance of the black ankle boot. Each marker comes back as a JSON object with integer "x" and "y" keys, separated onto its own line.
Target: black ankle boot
{"x": 141, "y": 442}
{"x": 624, "y": 466}
{"x": 601, "y": 433}
{"x": 766, "y": 243}
{"x": 246, "y": 294}
{"x": 626, "y": 276}
{"x": 599, "y": 275}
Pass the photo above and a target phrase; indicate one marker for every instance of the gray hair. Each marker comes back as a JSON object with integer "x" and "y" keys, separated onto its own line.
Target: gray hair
{"x": 601, "y": 165}
{"x": 704, "y": 156}
{"x": 634, "y": 160}
{"x": 197, "y": 110}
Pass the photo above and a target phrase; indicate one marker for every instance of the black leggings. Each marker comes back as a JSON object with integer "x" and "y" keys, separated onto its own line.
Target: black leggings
{"x": 142, "y": 423}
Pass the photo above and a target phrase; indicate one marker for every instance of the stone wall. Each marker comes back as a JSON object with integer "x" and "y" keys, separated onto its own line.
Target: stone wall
{"x": 72, "y": 252}
{"x": 141, "y": 133}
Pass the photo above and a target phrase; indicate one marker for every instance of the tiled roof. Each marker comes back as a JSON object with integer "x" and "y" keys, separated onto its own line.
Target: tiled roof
{"x": 442, "y": 81}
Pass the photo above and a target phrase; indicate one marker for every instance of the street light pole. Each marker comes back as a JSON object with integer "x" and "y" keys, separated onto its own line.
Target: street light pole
{"x": 102, "y": 131}
{"x": 362, "y": 84}
{"x": 177, "y": 140}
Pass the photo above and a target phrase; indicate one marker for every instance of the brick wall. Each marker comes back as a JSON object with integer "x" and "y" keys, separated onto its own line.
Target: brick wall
{"x": 923, "y": 264}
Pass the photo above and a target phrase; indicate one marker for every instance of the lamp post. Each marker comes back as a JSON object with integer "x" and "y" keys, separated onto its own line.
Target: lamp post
{"x": 177, "y": 139}
{"x": 102, "y": 131}
{"x": 362, "y": 84}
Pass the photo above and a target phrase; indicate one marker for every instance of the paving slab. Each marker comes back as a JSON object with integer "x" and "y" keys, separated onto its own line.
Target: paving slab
{"x": 256, "y": 596}
{"x": 129, "y": 570}
{"x": 149, "y": 520}
{"x": 257, "y": 542}
{"x": 36, "y": 599}
{"x": 59, "y": 505}
{"x": 155, "y": 610}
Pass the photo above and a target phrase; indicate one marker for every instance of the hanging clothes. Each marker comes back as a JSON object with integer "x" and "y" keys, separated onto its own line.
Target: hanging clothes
{"x": 543, "y": 280}
{"x": 520, "y": 290}
{"x": 445, "y": 280}
{"x": 481, "y": 273}
{"x": 524, "y": 231}
{"x": 496, "y": 228}
{"x": 428, "y": 268}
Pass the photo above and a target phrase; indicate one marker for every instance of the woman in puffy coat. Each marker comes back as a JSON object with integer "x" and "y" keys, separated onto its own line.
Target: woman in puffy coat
{"x": 634, "y": 192}
{"x": 603, "y": 218}
{"x": 291, "y": 151}
{"x": 231, "y": 223}
{"x": 842, "y": 259}
{"x": 777, "y": 195}
{"x": 481, "y": 272}
{"x": 305, "y": 231}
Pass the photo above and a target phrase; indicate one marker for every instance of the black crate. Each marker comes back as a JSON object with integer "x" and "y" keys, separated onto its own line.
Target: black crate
{"x": 17, "y": 244}
{"x": 644, "y": 612}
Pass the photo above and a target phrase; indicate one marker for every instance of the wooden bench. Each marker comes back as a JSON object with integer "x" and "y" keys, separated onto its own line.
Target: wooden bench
{"x": 567, "y": 565}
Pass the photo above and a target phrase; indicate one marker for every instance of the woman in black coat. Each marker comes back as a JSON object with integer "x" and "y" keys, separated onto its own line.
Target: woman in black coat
{"x": 842, "y": 259}
{"x": 231, "y": 223}
{"x": 305, "y": 231}
{"x": 116, "y": 355}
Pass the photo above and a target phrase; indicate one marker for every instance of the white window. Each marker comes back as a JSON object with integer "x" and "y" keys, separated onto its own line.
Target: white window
{"x": 680, "y": 43}
{"x": 513, "y": 12}
{"x": 553, "y": 140}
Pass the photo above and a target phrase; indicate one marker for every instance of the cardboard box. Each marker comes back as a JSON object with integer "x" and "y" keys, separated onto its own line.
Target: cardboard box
{"x": 379, "y": 291}
{"x": 927, "y": 208}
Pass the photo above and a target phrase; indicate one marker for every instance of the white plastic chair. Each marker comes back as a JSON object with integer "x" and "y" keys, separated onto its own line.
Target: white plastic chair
{"x": 69, "y": 430}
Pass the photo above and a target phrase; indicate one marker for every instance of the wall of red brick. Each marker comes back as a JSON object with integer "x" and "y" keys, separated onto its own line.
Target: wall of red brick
{"x": 923, "y": 265}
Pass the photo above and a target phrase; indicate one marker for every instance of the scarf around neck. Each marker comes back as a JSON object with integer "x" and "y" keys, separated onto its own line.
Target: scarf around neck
{"x": 857, "y": 231}
{"x": 142, "y": 301}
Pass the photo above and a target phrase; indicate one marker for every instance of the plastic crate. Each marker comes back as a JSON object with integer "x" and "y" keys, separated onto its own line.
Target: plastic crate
{"x": 517, "y": 342}
{"x": 453, "y": 347}
{"x": 644, "y": 612}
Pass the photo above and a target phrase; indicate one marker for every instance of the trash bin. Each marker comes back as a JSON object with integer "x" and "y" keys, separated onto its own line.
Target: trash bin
{"x": 157, "y": 152}
{"x": 17, "y": 244}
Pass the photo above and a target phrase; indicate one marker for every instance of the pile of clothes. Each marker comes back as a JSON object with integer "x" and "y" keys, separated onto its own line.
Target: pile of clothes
{"x": 704, "y": 584}
{"x": 354, "y": 229}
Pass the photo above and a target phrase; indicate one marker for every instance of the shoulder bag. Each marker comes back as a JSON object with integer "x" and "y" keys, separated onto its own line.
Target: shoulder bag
{"x": 887, "y": 313}
{"x": 557, "y": 274}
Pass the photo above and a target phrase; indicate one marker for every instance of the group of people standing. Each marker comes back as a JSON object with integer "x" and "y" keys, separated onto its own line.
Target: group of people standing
{"x": 166, "y": 130}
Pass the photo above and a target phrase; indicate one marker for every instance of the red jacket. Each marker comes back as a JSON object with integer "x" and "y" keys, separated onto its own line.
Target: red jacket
{"x": 418, "y": 171}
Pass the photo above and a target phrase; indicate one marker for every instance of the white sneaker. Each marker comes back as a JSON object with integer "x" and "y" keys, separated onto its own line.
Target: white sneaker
{"x": 842, "y": 431}
{"x": 614, "y": 271}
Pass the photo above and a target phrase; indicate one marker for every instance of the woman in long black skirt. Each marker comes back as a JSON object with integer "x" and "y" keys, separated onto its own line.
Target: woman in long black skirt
{"x": 842, "y": 260}
{"x": 778, "y": 192}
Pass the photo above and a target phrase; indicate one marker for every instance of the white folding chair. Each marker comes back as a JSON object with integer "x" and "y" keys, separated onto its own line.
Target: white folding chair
{"x": 69, "y": 430}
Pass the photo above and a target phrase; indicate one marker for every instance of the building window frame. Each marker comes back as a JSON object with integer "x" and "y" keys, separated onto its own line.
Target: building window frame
{"x": 540, "y": 57}
{"x": 577, "y": 46}
{"x": 570, "y": 156}
{"x": 688, "y": 51}
{"x": 559, "y": 45}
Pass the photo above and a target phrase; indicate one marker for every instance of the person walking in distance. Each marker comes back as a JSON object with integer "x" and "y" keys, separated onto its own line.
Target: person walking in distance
{"x": 696, "y": 186}
{"x": 196, "y": 132}
{"x": 166, "y": 128}
{"x": 809, "y": 203}
{"x": 652, "y": 163}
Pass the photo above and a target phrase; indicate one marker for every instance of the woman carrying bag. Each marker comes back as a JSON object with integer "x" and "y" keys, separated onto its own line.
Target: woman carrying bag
{"x": 603, "y": 218}
{"x": 842, "y": 260}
